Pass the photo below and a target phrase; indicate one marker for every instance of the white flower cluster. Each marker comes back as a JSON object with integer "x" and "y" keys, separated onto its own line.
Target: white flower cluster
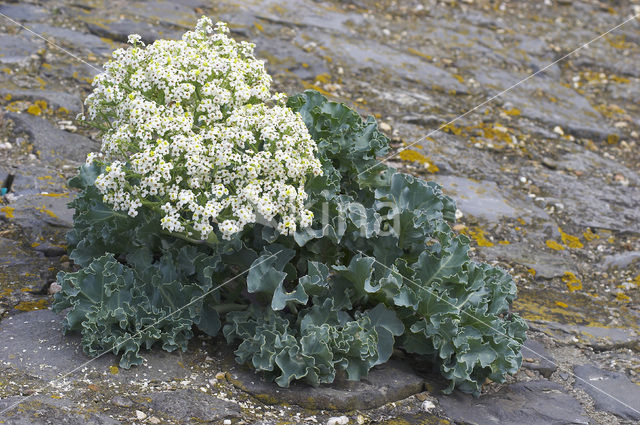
{"x": 191, "y": 128}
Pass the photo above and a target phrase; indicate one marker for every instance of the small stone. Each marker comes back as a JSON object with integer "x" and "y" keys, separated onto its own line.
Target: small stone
{"x": 427, "y": 405}
{"x": 54, "y": 287}
{"x": 558, "y": 130}
{"x": 384, "y": 126}
{"x": 227, "y": 422}
{"x": 154, "y": 420}
{"x": 140, "y": 415}
{"x": 338, "y": 420}
{"x": 120, "y": 401}
{"x": 213, "y": 381}
{"x": 361, "y": 419}
{"x": 221, "y": 375}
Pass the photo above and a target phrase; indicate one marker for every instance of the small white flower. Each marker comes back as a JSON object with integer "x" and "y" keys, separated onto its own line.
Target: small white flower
{"x": 188, "y": 129}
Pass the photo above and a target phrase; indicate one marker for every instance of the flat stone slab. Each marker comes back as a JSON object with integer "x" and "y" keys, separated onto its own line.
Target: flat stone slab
{"x": 33, "y": 342}
{"x": 536, "y": 357}
{"x": 17, "y": 49}
{"x": 192, "y": 406}
{"x": 611, "y": 391}
{"x": 386, "y": 383}
{"x": 41, "y": 410}
{"x": 532, "y": 403}
{"x": 477, "y": 198}
{"x": 50, "y": 142}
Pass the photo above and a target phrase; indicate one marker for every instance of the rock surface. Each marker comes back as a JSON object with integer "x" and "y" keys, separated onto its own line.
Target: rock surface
{"x": 386, "y": 383}
{"x": 546, "y": 176}
{"x": 532, "y": 403}
{"x": 611, "y": 391}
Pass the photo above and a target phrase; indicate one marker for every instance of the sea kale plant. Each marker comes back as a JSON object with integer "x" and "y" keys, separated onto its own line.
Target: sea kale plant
{"x": 215, "y": 206}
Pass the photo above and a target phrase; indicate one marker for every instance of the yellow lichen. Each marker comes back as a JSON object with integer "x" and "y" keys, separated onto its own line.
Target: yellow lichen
{"x": 572, "y": 282}
{"x": 415, "y": 156}
{"x": 40, "y": 304}
{"x": 323, "y": 78}
{"x": 478, "y": 235}
{"x": 621, "y": 296}
{"x": 570, "y": 241}
{"x": 504, "y": 242}
{"x": 589, "y": 235}
{"x": 554, "y": 245}
{"x": 7, "y": 97}
{"x": 113, "y": 370}
{"x": 561, "y": 304}
{"x": 419, "y": 53}
{"x": 8, "y": 211}
{"x": 34, "y": 110}
{"x": 513, "y": 112}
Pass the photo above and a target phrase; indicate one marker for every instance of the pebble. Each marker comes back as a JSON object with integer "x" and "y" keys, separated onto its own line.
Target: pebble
{"x": 227, "y": 422}
{"x": 221, "y": 375}
{"x": 154, "y": 420}
{"x": 427, "y": 405}
{"x": 54, "y": 287}
{"x": 140, "y": 415}
{"x": 384, "y": 126}
{"x": 120, "y": 401}
{"x": 338, "y": 420}
{"x": 558, "y": 130}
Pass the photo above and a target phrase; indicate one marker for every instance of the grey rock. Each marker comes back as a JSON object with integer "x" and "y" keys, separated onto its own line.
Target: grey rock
{"x": 386, "y": 383}
{"x": 50, "y": 250}
{"x": 77, "y": 39}
{"x": 363, "y": 54}
{"x": 533, "y": 403}
{"x": 24, "y": 12}
{"x": 621, "y": 261}
{"x": 611, "y": 391}
{"x": 40, "y": 410}
{"x": 599, "y": 338}
{"x": 282, "y": 56}
{"x": 120, "y": 30}
{"x": 54, "y": 99}
{"x": 543, "y": 362}
{"x": 192, "y": 406}
{"x": 51, "y": 142}
{"x": 547, "y": 265}
{"x": 17, "y": 49}
{"x": 547, "y": 101}
{"x": 33, "y": 342}
{"x": 121, "y": 401}
{"x": 616, "y": 208}
{"x": 163, "y": 12}
{"x": 480, "y": 199}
